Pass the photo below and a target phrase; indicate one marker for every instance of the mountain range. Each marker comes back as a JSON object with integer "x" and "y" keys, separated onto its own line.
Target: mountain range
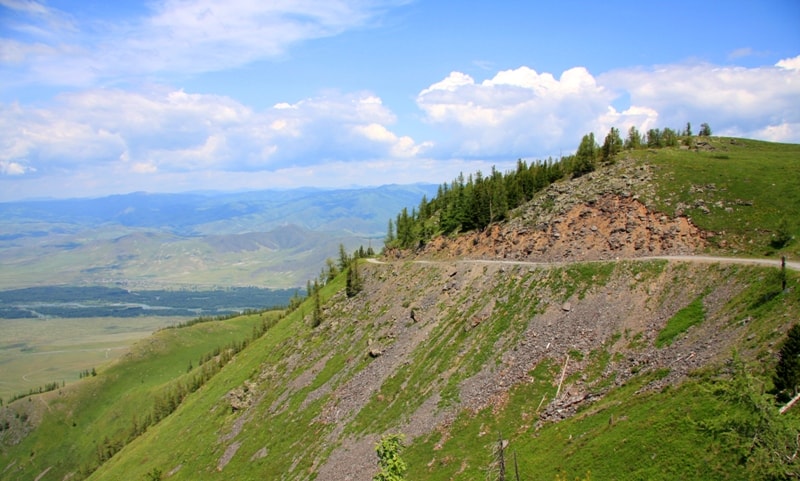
{"x": 275, "y": 239}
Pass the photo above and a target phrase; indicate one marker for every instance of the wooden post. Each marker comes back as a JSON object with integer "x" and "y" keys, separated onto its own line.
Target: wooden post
{"x": 789, "y": 404}
{"x": 783, "y": 273}
{"x": 501, "y": 460}
{"x": 563, "y": 372}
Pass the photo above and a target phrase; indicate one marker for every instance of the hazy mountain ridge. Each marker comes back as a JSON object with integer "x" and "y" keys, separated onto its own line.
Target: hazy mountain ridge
{"x": 142, "y": 239}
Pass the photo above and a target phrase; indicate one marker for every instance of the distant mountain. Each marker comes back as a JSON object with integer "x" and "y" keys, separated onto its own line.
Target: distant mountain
{"x": 270, "y": 238}
{"x": 194, "y": 213}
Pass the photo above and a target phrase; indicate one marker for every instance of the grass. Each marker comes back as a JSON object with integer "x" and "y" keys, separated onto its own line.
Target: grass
{"x": 296, "y": 368}
{"x": 38, "y": 351}
{"x": 687, "y": 317}
{"x": 749, "y": 188}
{"x": 104, "y": 407}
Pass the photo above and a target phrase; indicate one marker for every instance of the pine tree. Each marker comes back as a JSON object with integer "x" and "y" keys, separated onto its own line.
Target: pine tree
{"x": 316, "y": 316}
{"x": 344, "y": 259}
{"x": 353, "y": 284}
{"x": 787, "y": 372}
{"x": 585, "y": 156}
{"x": 612, "y": 145}
{"x": 390, "y": 237}
{"x": 634, "y": 140}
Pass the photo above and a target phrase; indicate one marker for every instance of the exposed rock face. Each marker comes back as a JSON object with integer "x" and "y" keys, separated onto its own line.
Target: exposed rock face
{"x": 595, "y": 217}
{"x": 612, "y": 226}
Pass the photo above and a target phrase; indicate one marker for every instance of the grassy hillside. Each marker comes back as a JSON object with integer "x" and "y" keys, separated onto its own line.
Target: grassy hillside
{"x": 80, "y": 425}
{"x": 457, "y": 379}
{"x": 623, "y": 369}
{"x": 744, "y": 190}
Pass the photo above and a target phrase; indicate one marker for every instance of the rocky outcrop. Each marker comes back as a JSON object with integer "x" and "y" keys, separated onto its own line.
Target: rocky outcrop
{"x": 608, "y": 227}
{"x": 595, "y": 217}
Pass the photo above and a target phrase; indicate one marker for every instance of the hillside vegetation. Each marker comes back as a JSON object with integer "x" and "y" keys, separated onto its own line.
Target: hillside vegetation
{"x": 555, "y": 334}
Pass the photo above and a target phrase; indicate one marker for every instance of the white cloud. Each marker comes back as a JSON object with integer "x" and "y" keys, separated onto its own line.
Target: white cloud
{"x": 517, "y": 112}
{"x": 521, "y": 112}
{"x": 732, "y": 100}
{"x": 47, "y": 46}
{"x": 171, "y": 131}
{"x": 12, "y": 168}
{"x": 789, "y": 63}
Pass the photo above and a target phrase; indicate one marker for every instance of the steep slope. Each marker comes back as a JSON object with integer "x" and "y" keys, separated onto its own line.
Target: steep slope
{"x": 320, "y": 398}
{"x": 555, "y": 331}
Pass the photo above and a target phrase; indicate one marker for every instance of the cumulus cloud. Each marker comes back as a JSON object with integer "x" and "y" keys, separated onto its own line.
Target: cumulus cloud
{"x": 174, "y": 131}
{"x": 517, "y": 112}
{"x": 521, "y": 112}
{"x": 733, "y": 100}
{"x": 789, "y": 63}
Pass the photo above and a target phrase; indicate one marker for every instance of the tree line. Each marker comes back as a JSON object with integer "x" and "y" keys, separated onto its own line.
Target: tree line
{"x": 478, "y": 200}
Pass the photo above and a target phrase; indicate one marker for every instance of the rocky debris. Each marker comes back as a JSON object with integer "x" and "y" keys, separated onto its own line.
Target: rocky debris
{"x": 230, "y": 451}
{"x": 261, "y": 453}
{"x": 607, "y": 228}
{"x": 594, "y": 217}
{"x": 241, "y": 397}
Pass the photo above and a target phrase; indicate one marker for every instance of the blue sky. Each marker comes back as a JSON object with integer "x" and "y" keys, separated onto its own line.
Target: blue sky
{"x": 101, "y": 97}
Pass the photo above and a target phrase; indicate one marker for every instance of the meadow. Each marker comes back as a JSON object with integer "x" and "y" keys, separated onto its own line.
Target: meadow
{"x": 34, "y": 352}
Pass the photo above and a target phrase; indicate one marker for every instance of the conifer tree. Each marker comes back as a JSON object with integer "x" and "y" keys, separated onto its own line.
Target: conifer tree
{"x": 353, "y": 285}
{"x": 634, "y": 140}
{"x": 787, "y": 372}
{"x": 612, "y": 145}
{"x": 344, "y": 259}
{"x": 585, "y": 156}
{"x": 316, "y": 316}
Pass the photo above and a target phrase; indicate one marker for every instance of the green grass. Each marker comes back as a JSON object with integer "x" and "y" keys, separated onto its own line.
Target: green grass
{"x": 749, "y": 188}
{"x": 103, "y": 408}
{"x": 34, "y": 352}
{"x": 687, "y": 317}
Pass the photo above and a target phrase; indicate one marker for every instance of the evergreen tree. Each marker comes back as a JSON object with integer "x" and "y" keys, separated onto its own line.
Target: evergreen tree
{"x": 353, "y": 285}
{"x": 344, "y": 259}
{"x": 498, "y": 197}
{"x": 669, "y": 138}
{"x": 390, "y": 238}
{"x": 634, "y": 140}
{"x": 316, "y": 316}
{"x": 787, "y": 372}
{"x": 584, "y": 158}
{"x": 331, "y": 272}
{"x": 705, "y": 130}
{"x": 654, "y": 138}
{"x": 612, "y": 145}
